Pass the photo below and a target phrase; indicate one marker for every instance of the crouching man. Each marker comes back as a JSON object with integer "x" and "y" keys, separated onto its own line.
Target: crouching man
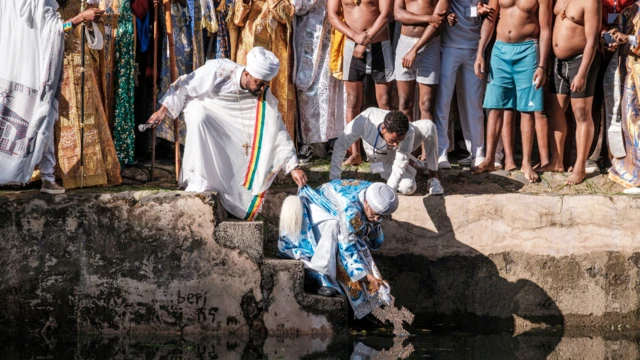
{"x": 331, "y": 230}
{"x": 389, "y": 139}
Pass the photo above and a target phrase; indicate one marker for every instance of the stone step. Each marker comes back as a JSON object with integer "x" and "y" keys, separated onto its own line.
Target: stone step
{"x": 246, "y": 236}
{"x": 290, "y": 310}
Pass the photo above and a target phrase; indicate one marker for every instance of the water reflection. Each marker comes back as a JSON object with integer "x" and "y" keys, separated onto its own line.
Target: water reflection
{"x": 529, "y": 345}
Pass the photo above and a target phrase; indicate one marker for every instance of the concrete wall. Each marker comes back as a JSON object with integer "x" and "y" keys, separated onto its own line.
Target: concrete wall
{"x": 139, "y": 262}
{"x": 164, "y": 262}
{"x": 511, "y": 260}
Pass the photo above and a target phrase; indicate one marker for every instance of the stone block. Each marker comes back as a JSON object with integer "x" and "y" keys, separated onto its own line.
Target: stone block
{"x": 246, "y": 236}
{"x": 291, "y": 311}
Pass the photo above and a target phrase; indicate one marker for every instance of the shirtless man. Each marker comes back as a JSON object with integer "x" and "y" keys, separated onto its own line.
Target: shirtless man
{"x": 517, "y": 71}
{"x": 575, "y": 42}
{"x": 423, "y": 62}
{"x": 367, "y": 50}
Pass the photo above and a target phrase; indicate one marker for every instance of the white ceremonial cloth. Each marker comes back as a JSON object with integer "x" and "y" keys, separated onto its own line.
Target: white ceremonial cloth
{"x": 221, "y": 119}
{"x": 32, "y": 45}
{"x": 326, "y": 230}
{"x": 321, "y": 97}
{"x": 613, "y": 95}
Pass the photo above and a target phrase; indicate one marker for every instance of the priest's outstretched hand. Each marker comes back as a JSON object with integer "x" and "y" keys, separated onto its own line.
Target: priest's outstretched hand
{"x": 299, "y": 177}
{"x": 156, "y": 117}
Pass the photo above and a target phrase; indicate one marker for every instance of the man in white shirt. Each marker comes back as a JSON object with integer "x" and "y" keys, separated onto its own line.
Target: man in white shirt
{"x": 236, "y": 140}
{"x": 389, "y": 139}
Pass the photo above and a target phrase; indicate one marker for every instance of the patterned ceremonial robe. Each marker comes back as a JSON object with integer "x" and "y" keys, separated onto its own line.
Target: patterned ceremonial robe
{"x": 124, "y": 121}
{"x": 335, "y": 225}
{"x": 626, "y": 170}
{"x": 101, "y": 165}
{"x": 183, "y": 41}
{"x": 321, "y": 99}
{"x": 32, "y": 43}
{"x": 218, "y": 27}
{"x": 267, "y": 23}
{"x": 109, "y": 26}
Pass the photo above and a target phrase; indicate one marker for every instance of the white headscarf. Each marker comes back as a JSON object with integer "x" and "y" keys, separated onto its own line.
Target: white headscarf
{"x": 381, "y": 198}
{"x": 262, "y": 64}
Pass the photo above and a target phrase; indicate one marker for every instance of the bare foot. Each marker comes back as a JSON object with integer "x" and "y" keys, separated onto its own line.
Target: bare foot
{"x": 486, "y": 166}
{"x": 529, "y": 173}
{"x": 551, "y": 167}
{"x": 509, "y": 165}
{"x": 577, "y": 176}
{"x": 353, "y": 160}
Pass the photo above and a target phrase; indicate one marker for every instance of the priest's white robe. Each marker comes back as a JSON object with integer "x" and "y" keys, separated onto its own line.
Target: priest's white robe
{"x": 236, "y": 142}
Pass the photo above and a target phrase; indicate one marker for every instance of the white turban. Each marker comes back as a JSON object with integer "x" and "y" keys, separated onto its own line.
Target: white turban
{"x": 381, "y": 198}
{"x": 262, "y": 64}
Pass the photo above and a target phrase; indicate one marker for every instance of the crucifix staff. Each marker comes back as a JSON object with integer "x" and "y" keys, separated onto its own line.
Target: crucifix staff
{"x": 84, "y": 39}
{"x": 174, "y": 76}
{"x": 155, "y": 83}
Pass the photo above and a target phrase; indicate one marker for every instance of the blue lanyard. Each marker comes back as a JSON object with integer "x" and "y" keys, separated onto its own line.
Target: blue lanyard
{"x": 375, "y": 146}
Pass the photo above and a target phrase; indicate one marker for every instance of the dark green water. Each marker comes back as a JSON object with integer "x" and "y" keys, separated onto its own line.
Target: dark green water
{"x": 424, "y": 345}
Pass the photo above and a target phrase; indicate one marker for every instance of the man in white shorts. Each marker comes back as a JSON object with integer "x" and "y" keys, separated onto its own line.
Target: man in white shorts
{"x": 418, "y": 53}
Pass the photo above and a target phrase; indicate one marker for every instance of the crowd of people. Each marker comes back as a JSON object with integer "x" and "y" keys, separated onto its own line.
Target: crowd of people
{"x": 539, "y": 61}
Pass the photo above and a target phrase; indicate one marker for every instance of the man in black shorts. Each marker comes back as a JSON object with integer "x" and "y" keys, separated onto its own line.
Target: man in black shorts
{"x": 367, "y": 50}
{"x": 565, "y": 71}
{"x": 575, "y": 43}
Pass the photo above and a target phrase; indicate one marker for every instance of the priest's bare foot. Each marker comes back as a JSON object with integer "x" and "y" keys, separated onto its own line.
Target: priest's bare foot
{"x": 529, "y": 173}
{"x": 353, "y": 160}
{"x": 486, "y": 166}
{"x": 551, "y": 167}
{"x": 577, "y": 176}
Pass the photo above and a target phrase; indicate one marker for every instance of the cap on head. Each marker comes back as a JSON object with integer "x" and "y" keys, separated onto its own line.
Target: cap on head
{"x": 382, "y": 199}
{"x": 262, "y": 64}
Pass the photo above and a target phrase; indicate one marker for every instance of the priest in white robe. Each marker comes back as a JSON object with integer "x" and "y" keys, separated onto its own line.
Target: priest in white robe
{"x": 236, "y": 140}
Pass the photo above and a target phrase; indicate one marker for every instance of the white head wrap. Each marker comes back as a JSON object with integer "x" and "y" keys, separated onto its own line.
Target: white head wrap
{"x": 381, "y": 198}
{"x": 262, "y": 64}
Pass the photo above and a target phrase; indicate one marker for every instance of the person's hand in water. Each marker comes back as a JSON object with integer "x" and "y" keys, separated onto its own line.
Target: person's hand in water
{"x": 374, "y": 283}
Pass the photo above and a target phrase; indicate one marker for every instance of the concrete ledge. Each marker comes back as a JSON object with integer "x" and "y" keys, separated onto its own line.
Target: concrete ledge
{"x": 497, "y": 261}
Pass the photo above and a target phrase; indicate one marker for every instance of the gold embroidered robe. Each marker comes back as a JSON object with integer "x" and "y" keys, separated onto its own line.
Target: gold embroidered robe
{"x": 267, "y": 23}
{"x": 101, "y": 165}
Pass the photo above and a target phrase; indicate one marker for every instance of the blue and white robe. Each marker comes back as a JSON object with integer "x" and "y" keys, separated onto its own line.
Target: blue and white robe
{"x": 335, "y": 240}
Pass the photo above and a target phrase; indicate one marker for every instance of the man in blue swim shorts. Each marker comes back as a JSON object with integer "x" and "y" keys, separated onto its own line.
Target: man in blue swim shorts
{"x": 517, "y": 71}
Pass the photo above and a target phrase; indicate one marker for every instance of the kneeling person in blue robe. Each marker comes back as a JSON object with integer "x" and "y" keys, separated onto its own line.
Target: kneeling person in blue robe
{"x": 331, "y": 230}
